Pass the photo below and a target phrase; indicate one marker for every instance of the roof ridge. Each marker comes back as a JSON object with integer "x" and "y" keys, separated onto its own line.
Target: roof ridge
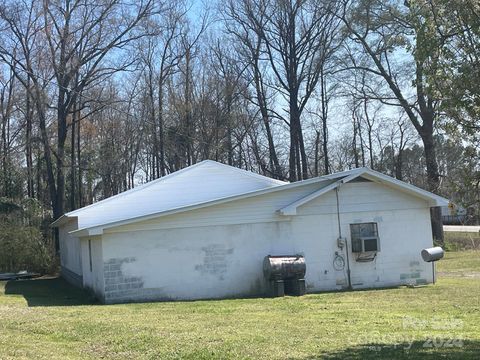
{"x": 248, "y": 172}
{"x": 173, "y": 174}
{"x": 344, "y": 173}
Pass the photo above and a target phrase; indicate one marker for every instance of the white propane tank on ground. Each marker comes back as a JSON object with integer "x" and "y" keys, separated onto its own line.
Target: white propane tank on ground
{"x": 432, "y": 254}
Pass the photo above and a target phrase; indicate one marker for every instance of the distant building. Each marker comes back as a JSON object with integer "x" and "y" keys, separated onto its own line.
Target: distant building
{"x": 453, "y": 214}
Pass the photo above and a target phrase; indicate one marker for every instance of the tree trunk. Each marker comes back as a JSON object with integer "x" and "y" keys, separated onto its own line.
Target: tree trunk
{"x": 354, "y": 142}
{"x": 229, "y": 127}
{"x": 299, "y": 159}
{"x": 324, "y": 122}
{"x": 399, "y": 165}
{"x": 369, "y": 134}
{"x": 3, "y": 163}
{"x": 260, "y": 94}
{"x": 303, "y": 153}
{"x": 188, "y": 116}
{"x": 160, "y": 126}
{"x": 79, "y": 163}
{"x": 62, "y": 113}
{"x": 72, "y": 159}
{"x": 297, "y": 156}
{"x": 52, "y": 189}
{"x": 292, "y": 160}
{"x": 433, "y": 181}
{"x": 317, "y": 155}
{"x": 28, "y": 142}
{"x": 399, "y": 157}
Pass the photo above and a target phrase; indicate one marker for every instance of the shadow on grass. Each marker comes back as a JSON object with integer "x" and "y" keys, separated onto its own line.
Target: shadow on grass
{"x": 58, "y": 292}
{"x": 49, "y": 292}
{"x": 436, "y": 348}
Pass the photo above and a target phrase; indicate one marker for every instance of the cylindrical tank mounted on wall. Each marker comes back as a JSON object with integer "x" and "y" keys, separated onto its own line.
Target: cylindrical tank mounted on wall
{"x": 432, "y": 254}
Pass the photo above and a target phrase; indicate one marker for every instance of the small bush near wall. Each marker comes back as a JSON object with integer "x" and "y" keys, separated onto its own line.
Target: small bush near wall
{"x": 23, "y": 245}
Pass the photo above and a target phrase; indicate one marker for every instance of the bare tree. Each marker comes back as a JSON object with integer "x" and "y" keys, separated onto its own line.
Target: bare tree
{"x": 297, "y": 36}
{"x": 161, "y": 55}
{"x": 8, "y": 133}
{"x": 250, "y": 48}
{"x": 379, "y": 29}
{"x": 79, "y": 36}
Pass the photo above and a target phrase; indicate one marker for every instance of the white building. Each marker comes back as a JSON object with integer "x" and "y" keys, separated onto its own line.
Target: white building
{"x": 204, "y": 231}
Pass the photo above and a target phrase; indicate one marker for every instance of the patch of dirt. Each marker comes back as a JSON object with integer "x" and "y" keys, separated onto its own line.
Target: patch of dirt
{"x": 460, "y": 274}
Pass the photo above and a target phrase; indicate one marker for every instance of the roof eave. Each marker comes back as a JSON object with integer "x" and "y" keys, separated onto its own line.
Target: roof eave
{"x": 85, "y": 232}
{"x": 432, "y": 199}
{"x": 291, "y": 209}
{"x": 62, "y": 220}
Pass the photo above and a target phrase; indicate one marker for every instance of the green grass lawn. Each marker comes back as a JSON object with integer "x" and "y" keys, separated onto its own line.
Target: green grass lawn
{"x": 47, "y": 318}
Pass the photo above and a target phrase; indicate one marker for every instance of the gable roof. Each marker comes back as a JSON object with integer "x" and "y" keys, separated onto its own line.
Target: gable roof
{"x": 327, "y": 183}
{"x": 204, "y": 181}
{"x": 375, "y": 176}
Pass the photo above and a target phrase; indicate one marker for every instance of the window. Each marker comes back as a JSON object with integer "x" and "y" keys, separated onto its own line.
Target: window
{"x": 364, "y": 237}
{"x": 90, "y": 253}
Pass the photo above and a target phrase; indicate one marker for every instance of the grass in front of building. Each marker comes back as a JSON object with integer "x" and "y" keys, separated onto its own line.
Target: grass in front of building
{"x": 47, "y": 318}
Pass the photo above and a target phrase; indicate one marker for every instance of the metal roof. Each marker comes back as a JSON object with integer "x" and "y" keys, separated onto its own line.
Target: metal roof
{"x": 204, "y": 181}
{"x": 209, "y": 183}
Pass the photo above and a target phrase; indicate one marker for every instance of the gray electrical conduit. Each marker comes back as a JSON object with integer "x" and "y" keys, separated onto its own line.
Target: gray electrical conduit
{"x": 346, "y": 244}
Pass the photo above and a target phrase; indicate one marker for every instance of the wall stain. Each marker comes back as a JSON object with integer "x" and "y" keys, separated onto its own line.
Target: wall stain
{"x": 215, "y": 260}
{"x": 118, "y": 286}
{"x": 257, "y": 288}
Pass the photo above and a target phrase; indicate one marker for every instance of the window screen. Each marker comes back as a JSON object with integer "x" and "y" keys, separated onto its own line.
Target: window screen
{"x": 364, "y": 237}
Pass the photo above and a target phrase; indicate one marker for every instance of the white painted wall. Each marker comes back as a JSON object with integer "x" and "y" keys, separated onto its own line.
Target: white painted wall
{"x": 218, "y": 251}
{"x": 93, "y": 278}
{"x": 70, "y": 251}
{"x": 193, "y": 263}
{"x": 404, "y": 229}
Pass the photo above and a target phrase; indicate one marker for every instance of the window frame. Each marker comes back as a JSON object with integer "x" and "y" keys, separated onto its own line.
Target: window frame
{"x": 358, "y": 242}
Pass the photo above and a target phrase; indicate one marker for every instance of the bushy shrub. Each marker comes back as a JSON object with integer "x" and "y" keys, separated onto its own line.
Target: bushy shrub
{"x": 23, "y": 246}
{"x": 461, "y": 241}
